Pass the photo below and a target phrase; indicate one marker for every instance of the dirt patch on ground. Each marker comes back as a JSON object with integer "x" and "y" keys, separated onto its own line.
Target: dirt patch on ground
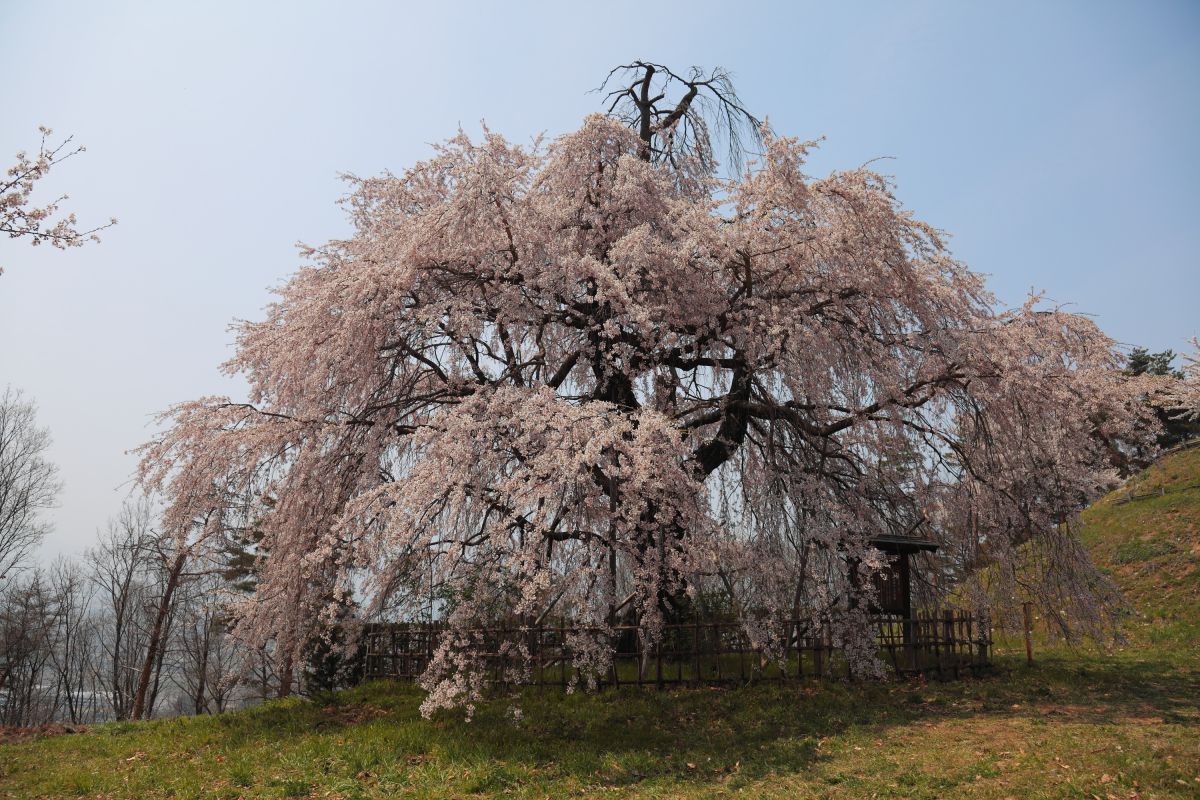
{"x": 1071, "y": 710}
{"x": 352, "y": 715}
{"x": 10, "y": 734}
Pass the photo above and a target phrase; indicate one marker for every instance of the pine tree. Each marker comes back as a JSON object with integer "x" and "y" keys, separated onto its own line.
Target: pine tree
{"x": 1142, "y": 362}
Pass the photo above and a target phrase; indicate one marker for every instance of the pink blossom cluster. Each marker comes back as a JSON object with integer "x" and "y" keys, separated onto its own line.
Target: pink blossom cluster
{"x": 1184, "y": 395}
{"x": 19, "y": 217}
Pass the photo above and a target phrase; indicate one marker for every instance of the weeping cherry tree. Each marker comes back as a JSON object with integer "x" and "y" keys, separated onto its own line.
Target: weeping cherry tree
{"x": 587, "y": 377}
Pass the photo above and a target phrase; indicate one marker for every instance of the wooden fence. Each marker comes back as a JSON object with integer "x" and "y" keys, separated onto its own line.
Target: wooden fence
{"x": 944, "y": 644}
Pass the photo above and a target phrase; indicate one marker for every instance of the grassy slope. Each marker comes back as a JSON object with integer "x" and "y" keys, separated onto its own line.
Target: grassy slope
{"x": 1078, "y": 725}
{"x": 1151, "y": 547}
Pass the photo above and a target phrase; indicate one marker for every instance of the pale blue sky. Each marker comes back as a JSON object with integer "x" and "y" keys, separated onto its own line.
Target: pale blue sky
{"x": 1059, "y": 144}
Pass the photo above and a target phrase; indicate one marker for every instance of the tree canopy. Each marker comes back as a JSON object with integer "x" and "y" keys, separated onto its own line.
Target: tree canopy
{"x": 585, "y": 377}
{"x": 1184, "y": 395}
{"x": 1174, "y": 427}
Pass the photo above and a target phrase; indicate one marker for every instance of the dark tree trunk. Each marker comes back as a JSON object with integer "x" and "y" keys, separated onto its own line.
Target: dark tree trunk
{"x": 202, "y": 677}
{"x": 286, "y": 675}
{"x": 154, "y": 646}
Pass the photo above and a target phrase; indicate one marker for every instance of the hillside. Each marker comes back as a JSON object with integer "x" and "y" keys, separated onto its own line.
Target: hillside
{"x": 1078, "y": 725}
{"x": 1151, "y": 547}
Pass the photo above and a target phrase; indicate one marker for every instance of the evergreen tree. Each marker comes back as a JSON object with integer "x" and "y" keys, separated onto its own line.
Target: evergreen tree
{"x": 1142, "y": 362}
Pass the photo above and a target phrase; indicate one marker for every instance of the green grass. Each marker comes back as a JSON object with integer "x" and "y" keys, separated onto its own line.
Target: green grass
{"x": 1151, "y": 547}
{"x": 1137, "y": 551}
{"x": 1068, "y": 728}
{"x": 1079, "y": 724}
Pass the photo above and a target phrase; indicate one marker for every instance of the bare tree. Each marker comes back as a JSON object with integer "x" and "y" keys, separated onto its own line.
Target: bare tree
{"x": 28, "y": 481}
{"x": 74, "y": 659}
{"x": 169, "y": 557}
{"x": 138, "y": 571}
{"x": 118, "y": 573}
{"x": 145, "y": 618}
{"x": 28, "y": 628}
{"x": 262, "y": 672}
{"x": 210, "y": 658}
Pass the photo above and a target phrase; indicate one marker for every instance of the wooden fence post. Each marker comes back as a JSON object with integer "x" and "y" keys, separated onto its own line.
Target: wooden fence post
{"x": 1027, "y": 613}
{"x": 717, "y": 643}
{"x": 658, "y": 679}
{"x": 818, "y": 654}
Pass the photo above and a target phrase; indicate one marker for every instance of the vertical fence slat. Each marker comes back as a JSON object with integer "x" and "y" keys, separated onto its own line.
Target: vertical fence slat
{"x": 946, "y": 641}
{"x": 658, "y": 679}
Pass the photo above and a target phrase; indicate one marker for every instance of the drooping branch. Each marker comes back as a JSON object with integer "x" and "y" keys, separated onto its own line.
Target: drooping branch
{"x": 678, "y": 130}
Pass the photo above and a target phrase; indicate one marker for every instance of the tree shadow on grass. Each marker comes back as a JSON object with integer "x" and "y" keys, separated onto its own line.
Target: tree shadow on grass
{"x": 732, "y": 736}
{"x": 621, "y": 737}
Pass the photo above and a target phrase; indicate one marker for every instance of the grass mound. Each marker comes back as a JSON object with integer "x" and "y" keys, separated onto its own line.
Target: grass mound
{"x": 1150, "y": 545}
{"x": 1077, "y": 725}
{"x": 1069, "y": 728}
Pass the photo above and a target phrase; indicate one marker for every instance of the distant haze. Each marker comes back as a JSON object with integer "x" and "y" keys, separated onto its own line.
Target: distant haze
{"x": 1056, "y": 142}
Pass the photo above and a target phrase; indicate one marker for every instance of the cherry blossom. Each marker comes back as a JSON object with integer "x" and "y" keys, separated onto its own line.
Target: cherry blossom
{"x": 1185, "y": 393}
{"x": 19, "y": 217}
{"x": 559, "y": 382}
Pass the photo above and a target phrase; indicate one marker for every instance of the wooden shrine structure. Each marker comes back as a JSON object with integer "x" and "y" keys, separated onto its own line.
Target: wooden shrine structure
{"x": 894, "y": 583}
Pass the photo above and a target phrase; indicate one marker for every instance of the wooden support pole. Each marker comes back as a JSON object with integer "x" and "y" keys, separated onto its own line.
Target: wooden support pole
{"x": 818, "y": 665}
{"x": 639, "y": 652}
{"x": 616, "y": 660}
{"x": 678, "y": 655}
{"x": 658, "y": 678}
{"x": 718, "y": 651}
{"x": 1027, "y": 613}
{"x": 952, "y": 640}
